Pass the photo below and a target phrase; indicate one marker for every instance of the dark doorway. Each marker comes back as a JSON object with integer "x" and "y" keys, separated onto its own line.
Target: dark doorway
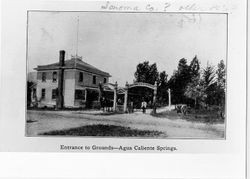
{"x": 92, "y": 96}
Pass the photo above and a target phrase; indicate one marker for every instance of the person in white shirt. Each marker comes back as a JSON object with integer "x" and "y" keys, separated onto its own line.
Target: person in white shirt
{"x": 144, "y": 106}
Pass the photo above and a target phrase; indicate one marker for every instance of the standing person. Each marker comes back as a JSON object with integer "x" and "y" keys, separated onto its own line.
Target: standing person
{"x": 129, "y": 107}
{"x": 132, "y": 106}
{"x": 144, "y": 106}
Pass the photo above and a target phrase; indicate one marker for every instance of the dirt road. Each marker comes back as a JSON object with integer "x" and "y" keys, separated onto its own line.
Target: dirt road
{"x": 45, "y": 121}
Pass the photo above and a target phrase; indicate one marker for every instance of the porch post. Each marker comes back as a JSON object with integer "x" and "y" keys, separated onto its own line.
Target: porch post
{"x": 86, "y": 91}
{"x": 125, "y": 105}
{"x": 100, "y": 93}
{"x": 115, "y": 97}
{"x": 154, "y": 99}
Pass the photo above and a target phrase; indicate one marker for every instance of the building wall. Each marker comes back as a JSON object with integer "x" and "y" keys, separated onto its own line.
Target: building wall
{"x": 69, "y": 88}
{"x": 71, "y": 82}
{"x": 48, "y": 85}
{"x": 88, "y": 80}
{"x": 49, "y": 74}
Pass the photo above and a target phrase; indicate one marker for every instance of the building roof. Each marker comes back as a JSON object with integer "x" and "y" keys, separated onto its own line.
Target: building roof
{"x": 74, "y": 63}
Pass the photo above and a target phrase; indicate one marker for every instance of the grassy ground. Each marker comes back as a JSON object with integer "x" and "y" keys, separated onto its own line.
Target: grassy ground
{"x": 193, "y": 116}
{"x": 104, "y": 130}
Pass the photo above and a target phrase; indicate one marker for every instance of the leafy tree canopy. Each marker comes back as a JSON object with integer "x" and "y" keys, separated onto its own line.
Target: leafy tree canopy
{"x": 146, "y": 73}
{"x": 221, "y": 74}
{"x": 194, "y": 67}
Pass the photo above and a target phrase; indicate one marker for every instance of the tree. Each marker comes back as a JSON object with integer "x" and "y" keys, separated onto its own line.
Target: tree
{"x": 162, "y": 93}
{"x": 221, "y": 74}
{"x": 195, "y": 91}
{"x": 183, "y": 73}
{"x": 182, "y": 66}
{"x": 208, "y": 75}
{"x": 146, "y": 73}
{"x": 194, "y": 67}
{"x": 221, "y": 83}
{"x": 209, "y": 84}
{"x": 178, "y": 82}
{"x": 163, "y": 79}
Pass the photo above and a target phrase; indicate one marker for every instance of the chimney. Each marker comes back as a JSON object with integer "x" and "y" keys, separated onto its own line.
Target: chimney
{"x": 60, "y": 97}
{"x": 61, "y": 58}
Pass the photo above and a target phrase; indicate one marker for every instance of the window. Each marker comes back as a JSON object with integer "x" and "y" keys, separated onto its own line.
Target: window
{"x": 43, "y": 76}
{"x": 94, "y": 79}
{"x": 43, "y": 93}
{"x": 105, "y": 80}
{"x": 80, "y": 77}
{"x": 54, "y": 76}
{"x": 54, "y": 93}
{"x": 80, "y": 94}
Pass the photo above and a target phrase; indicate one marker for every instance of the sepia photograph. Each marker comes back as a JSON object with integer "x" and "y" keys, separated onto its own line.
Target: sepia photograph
{"x": 126, "y": 75}
{"x": 90, "y": 88}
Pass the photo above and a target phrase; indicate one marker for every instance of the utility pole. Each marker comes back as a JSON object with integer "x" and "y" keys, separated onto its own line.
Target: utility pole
{"x": 77, "y": 34}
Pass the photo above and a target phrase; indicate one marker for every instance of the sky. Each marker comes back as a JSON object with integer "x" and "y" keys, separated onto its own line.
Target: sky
{"x": 117, "y": 42}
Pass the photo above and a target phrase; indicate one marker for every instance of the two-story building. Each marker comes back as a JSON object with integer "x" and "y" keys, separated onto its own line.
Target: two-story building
{"x": 72, "y": 83}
